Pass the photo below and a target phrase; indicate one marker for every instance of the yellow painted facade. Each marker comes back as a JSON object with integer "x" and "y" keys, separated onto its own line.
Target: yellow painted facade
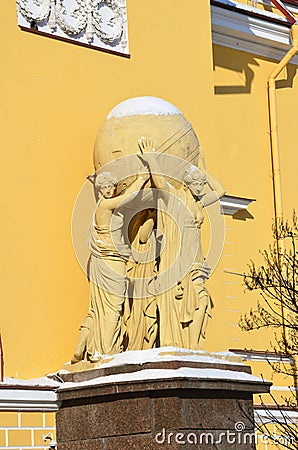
{"x": 54, "y": 98}
{"x": 26, "y": 429}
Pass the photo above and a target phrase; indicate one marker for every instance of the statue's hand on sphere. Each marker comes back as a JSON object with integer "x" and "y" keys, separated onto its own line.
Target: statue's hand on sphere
{"x": 145, "y": 145}
{"x": 146, "y": 149}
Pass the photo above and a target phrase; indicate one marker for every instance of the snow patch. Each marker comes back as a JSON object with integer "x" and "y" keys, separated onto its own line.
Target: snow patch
{"x": 162, "y": 374}
{"x": 36, "y": 382}
{"x": 161, "y": 354}
{"x": 143, "y": 106}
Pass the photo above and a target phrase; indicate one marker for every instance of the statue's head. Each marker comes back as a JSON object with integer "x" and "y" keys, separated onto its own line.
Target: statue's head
{"x": 195, "y": 180}
{"x": 105, "y": 183}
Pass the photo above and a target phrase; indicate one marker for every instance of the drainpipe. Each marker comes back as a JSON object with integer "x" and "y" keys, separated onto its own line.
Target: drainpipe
{"x": 275, "y": 154}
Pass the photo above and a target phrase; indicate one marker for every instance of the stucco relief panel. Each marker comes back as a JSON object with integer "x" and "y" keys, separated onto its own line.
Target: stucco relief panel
{"x": 100, "y": 23}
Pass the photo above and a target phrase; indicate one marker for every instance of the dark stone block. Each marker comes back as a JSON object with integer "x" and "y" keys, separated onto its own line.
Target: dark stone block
{"x": 111, "y": 417}
{"x": 96, "y": 444}
{"x": 159, "y": 413}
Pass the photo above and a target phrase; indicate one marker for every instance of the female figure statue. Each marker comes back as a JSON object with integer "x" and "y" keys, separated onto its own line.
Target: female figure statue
{"x": 184, "y": 303}
{"x": 101, "y": 329}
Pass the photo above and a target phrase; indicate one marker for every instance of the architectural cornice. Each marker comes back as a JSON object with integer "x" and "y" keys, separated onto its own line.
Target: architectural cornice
{"x": 275, "y": 414}
{"x": 251, "y": 30}
{"x": 259, "y": 355}
{"x": 37, "y": 394}
{"x": 17, "y": 399}
{"x": 230, "y": 205}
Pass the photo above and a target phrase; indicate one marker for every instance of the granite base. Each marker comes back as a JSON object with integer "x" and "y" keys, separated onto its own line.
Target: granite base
{"x": 205, "y": 406}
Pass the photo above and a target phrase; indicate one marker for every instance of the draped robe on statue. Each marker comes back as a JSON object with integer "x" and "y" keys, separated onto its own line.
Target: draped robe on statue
{"x": 185, "y": 307}
{"x": 142, "y": 321}
{"x": 107, "y": 269}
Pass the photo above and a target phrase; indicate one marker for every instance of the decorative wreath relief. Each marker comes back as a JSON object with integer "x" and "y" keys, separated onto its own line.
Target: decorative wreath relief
{"x": 108, "y": 22}
{"x": 97, "y": 21}
{"x": 36, "y": 10}
{"x": 71, "y": 21}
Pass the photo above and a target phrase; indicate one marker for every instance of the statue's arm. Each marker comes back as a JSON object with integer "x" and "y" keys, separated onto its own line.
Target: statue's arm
{"x": 147, "y": 156}
{"x": 126, "y": 197}
{"x": 146, "y": 230}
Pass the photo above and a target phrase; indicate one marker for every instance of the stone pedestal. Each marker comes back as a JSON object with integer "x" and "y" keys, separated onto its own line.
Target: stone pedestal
{"x": 193, "y": 402}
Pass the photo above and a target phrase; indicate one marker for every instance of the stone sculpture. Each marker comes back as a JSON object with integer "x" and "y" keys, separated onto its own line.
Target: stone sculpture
{"x": 101, "y": 329}
{"x": 148, "y": 289}
{"x": 185, "y": 306}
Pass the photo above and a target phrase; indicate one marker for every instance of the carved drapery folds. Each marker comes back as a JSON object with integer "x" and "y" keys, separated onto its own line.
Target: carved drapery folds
{"x": 101, "y": 23}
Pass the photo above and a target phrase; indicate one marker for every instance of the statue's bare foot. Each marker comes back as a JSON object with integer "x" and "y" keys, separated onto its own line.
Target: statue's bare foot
{"x": 78, "y": 354}
{"x": 81, "y": 346}
{"x": 75, "y": 359}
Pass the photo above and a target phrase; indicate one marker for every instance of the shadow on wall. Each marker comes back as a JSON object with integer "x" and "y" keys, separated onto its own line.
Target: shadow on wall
{"x": 243, "y": 215}
{"x": 290, "y": 75}
{"x": 237, "y": 62}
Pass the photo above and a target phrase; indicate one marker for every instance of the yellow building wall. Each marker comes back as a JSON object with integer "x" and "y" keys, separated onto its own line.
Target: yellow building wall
{"x": 242, "y": 131}
{"x": 26, "y": 429}
{"x": 54, "y": 98}
{"x": 56, "y": 95}
{"x": 239, "y": 153}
